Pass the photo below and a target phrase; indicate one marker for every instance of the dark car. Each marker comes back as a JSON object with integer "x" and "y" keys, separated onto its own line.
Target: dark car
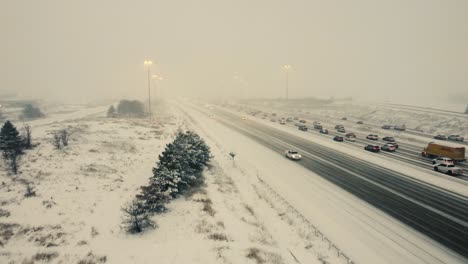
{"x": 372, "y": 148}
{"x": 338, "y": 126}
{"x": 386, "y": 127}
{"x": 317, "y": 126}
{"x": 344, "y": 118}
{"x": 338, "y": 138}
{"x": 302, "y": 121}
{"x": 360, "y": 122}
{"x": 441, "y": 137}
{"x": 351, "y": 135}
{"x": 303, "y": 128}
{"x": 388, "y": 139}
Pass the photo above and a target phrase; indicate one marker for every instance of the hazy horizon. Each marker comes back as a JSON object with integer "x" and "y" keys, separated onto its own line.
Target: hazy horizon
{"x": 398, "y": 51}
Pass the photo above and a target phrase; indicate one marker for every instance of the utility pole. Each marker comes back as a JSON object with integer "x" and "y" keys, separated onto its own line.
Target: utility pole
{"x": 148, "y": 66}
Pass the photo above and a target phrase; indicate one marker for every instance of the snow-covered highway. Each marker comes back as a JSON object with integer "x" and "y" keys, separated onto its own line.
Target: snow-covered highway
{"x": 433, "y": 211}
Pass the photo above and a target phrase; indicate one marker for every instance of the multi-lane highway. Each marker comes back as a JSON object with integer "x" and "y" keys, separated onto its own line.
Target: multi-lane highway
{"x": 431, "y": 210}
{"x": 407, "y": 152}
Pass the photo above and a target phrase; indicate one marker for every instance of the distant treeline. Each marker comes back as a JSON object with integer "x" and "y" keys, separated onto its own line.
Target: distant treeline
{"x": 127, "y": 108}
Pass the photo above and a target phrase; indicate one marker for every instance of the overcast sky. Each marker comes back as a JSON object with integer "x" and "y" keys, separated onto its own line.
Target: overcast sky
{"x": 404, "y": 50}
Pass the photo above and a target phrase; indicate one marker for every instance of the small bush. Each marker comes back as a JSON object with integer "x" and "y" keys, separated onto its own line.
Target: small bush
{"x": 136, "y": 218}
{"x": 45, "y": 256}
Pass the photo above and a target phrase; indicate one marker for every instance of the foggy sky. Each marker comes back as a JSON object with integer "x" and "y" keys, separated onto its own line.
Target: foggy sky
{"x": 398, "y": 50}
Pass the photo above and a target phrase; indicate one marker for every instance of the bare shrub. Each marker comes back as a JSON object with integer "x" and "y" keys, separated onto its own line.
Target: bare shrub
{"x": 30, "y": 191}
{"x": 45, "y": 256}
{"x": 56, "y": 141}
{"x": 254, "y": 254}
{"x": 6, "y": 232}
{"x": 64, "y": 137}
{"x": 92, "y": 259}
{"x": 207, "y": 205}
{"x": 4, "y": 213}
{"x": 218, "y": 237}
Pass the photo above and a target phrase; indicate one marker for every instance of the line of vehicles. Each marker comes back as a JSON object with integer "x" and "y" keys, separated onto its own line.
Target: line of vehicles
{"x": 443, "y": 156}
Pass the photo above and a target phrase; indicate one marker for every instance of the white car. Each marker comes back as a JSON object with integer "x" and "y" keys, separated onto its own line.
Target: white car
{"x": 442, "y": 160}
{"x": 450, "y": 169}
{"x": 456, "y": 138}
{"x": 292, "y": 154}
{"x": 282, "y": 122}
{"x": 350, "y": 139}
{"x": 372, "y": 137}
{"x": 389, "y": 147}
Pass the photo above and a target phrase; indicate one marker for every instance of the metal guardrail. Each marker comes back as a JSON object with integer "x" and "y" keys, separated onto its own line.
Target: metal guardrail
{"x": 316, "y": 231}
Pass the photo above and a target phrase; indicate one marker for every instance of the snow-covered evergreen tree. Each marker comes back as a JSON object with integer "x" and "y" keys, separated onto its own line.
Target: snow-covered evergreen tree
{"x": 136, "y": 218}
{"x": 10, "y": 140}
{"x": 181, "y": 163}
{"x": 10, "y": 145}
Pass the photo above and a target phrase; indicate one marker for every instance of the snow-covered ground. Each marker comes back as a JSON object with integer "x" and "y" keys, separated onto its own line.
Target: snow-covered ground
{"x": 259, "y": 208}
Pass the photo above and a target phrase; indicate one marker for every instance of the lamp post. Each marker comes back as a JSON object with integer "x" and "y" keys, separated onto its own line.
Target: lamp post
{"x": 287, "y": 67}
{"x": 148, "y": 64}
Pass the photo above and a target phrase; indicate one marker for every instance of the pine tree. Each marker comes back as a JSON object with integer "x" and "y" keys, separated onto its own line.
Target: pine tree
{"x": 10, "y": 145}
{"x": 136, "y": 218}
{"x": 10, "y": 140}
{"x": 152, "y": 198}
{"x": 111, "y": 112}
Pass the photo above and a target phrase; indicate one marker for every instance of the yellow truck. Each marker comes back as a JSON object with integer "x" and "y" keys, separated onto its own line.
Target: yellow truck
{"x": 434, "y": 150}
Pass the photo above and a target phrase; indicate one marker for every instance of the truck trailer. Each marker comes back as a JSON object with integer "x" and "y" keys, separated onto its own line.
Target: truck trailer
{"x": 434, "y": 150}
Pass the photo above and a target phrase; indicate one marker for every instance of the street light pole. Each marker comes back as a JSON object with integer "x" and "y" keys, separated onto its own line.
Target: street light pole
{"x": 287, "y": 67}
{"x": 148, "y": 65}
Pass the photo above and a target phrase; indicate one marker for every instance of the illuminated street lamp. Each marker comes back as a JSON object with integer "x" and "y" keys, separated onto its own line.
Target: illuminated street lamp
{"x": 287, "y": 67}
{"x": 148, "y": 64}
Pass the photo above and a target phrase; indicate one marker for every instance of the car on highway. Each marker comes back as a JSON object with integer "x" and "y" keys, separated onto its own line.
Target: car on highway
{"x": 388, "y": 139}
{"x": 324, "y": 131}
{"x": 372, "y": 148}
{"x": 338, "y": 126}
{"x": 273, "y": 120}
{"x": 318, "y": 126}
{"x": 282, "y": 122}
{"x": 443, "y": 160}
{"x": 440, "y": 137}
{"x": 456, "y": 138}
{"x": 338, "y": 138}
{"x": 303, "y": 128}
{"x": 296, "y": 118}
{"x": 289, "y": 119}
{"x": 450, "y": 169}
{"x": 350, "y": 139}
{"x": 393, "y": 143}
{"x": 344, "y": 118}
{"x": 359, "y": 122}
{"x": 386, "y": 127}
{"x": 372, "y": 137}
{"x": 302, "y": 121}
{"x": 316, "y": 123}
{"x": 341, "y": 130}
{"x": 273, "y": 114}
{"x": 389, "y": 147}
{"x": 351, "y": 135}
{"x": 292, "y": 154}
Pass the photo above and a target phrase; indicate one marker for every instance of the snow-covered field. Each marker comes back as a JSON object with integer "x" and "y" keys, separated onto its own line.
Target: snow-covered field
{"x": 74, "y": 215}
{"x": 258, "y": 208}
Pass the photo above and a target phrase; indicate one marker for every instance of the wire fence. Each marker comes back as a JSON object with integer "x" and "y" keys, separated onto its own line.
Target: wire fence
{"x": 331, "y": 246}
